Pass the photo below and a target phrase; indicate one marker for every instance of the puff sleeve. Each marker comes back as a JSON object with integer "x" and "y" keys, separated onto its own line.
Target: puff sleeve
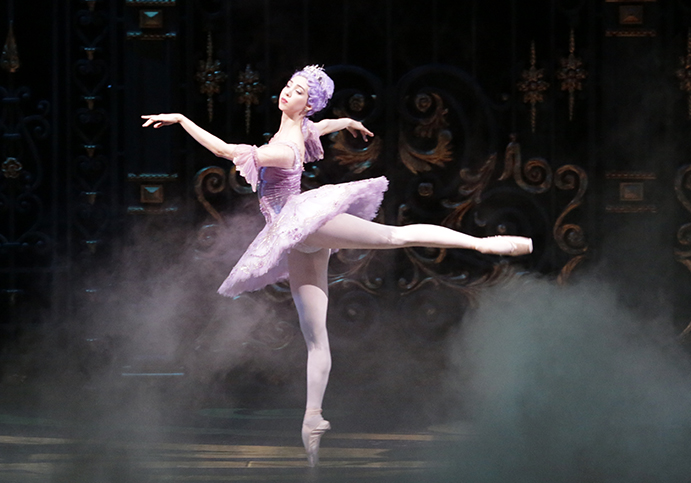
{"x": 313, "y": 145}
{"x": 245, "y": 161}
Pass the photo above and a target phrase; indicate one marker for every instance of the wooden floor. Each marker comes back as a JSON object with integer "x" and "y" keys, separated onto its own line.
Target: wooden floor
{"x": 82, "y": 443}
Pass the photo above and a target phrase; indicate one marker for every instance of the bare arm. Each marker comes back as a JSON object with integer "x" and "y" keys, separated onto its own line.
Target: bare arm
{"x": 354, "y": 127}
{"x": 205, "y": 138}
{"x": 279, "y": 156}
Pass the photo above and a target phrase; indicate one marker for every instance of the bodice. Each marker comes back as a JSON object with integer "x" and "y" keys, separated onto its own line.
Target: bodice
{"x": 276, "y": 185}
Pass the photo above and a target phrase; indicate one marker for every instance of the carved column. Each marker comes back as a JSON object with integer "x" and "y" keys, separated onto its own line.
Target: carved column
{"x": 152, "y": 56}
{"x": 638, "y": 164}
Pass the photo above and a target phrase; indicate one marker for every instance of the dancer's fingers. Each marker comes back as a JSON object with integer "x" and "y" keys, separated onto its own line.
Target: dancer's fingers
{"x": 359, "y": 128}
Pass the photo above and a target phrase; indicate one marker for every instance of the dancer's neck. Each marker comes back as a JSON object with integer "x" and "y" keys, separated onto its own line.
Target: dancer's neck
{"x": 289, "y": 124}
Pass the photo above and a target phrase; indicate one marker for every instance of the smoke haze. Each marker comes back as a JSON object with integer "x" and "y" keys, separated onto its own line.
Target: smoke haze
{"x": 566, "y": 384}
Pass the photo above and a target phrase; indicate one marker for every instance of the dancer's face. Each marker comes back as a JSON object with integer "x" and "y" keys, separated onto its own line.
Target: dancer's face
{"x": 294, "y": 96}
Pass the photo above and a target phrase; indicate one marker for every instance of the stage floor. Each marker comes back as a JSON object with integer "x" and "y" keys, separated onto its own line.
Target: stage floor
{"x": 112, "y": 443}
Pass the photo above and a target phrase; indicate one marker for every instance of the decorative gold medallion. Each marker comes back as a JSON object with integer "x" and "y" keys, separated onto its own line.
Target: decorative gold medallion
{"x": 11, "y": 168}
{"x": 210, "y": 77}
{"x": 10, "y": 55}
{"x": 248, "y": 89}
{"x": 571, "y": 74}
{"x": 533, "y": 86}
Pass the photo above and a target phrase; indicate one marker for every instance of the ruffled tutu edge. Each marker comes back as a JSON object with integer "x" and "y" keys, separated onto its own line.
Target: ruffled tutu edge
{"x": 265, "y": 260}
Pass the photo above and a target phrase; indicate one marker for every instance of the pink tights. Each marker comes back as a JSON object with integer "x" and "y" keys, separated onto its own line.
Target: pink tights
{"x": 309, "y": 285}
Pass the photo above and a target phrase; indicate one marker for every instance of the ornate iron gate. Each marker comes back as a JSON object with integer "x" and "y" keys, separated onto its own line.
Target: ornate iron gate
{"x": 491, "y": 117}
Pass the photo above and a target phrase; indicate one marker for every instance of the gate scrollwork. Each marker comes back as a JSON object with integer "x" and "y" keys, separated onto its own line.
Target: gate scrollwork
{"x": 682, "y": 186}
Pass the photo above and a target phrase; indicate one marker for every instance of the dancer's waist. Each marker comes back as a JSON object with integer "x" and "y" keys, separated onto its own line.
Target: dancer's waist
{"x": 272, "y": 197}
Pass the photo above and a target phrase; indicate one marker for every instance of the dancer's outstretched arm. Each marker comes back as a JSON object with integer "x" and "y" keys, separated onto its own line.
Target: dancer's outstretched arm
{"x": 280, "y": 155}
{"x": 354, "y": 127}
{"x": 209, "y": 141}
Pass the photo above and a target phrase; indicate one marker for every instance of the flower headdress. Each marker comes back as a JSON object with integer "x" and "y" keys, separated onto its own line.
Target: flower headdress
{"x": 321, "y": 87}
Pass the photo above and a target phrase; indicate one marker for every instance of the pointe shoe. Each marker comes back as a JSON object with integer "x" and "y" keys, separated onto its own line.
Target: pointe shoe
{"x": 512, "y": 246}
{"x": 311, "y": 437}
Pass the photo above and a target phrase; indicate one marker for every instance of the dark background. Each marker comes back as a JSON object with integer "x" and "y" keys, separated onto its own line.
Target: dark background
{"x": 97, "y": 278}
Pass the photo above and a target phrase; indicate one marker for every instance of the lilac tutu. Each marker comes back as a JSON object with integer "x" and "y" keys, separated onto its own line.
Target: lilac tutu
{"x": 292, "y": 216}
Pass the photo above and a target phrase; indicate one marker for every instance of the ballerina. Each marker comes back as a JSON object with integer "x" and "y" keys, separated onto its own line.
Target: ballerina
{"x": 302, "y": 228}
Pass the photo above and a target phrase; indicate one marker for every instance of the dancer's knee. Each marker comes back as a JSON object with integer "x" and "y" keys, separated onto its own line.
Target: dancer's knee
{"x": 317, "y": 344}
{"x": 321, "y": 356}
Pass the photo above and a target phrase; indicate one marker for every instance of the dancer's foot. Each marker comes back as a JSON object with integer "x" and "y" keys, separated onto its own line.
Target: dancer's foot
{"x": 505, "y": 245}
{"x": 313, "y": 428}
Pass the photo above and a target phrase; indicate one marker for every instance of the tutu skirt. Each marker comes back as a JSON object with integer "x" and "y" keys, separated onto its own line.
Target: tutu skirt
{"x": 265, "y": 261}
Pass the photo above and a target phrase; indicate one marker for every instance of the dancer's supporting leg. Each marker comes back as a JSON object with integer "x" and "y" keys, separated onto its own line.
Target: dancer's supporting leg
{"x": 309, "y": 286}
{"x": 348, "y": 231}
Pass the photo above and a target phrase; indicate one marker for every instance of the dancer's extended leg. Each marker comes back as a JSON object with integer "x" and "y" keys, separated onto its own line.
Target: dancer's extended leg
{"x": 348, "y": 231}
{"x": 309, "y": 286}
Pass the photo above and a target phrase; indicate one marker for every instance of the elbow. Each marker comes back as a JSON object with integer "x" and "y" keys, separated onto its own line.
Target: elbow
{"x": 222, "y": 152}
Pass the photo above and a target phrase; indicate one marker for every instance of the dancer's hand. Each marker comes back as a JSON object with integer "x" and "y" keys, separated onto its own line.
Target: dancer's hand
{"x": 356, "y": 127}
{"x": 160, "y": 120}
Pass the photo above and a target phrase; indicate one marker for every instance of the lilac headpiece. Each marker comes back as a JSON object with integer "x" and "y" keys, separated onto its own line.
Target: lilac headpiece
{"x": 321, "y": 87}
